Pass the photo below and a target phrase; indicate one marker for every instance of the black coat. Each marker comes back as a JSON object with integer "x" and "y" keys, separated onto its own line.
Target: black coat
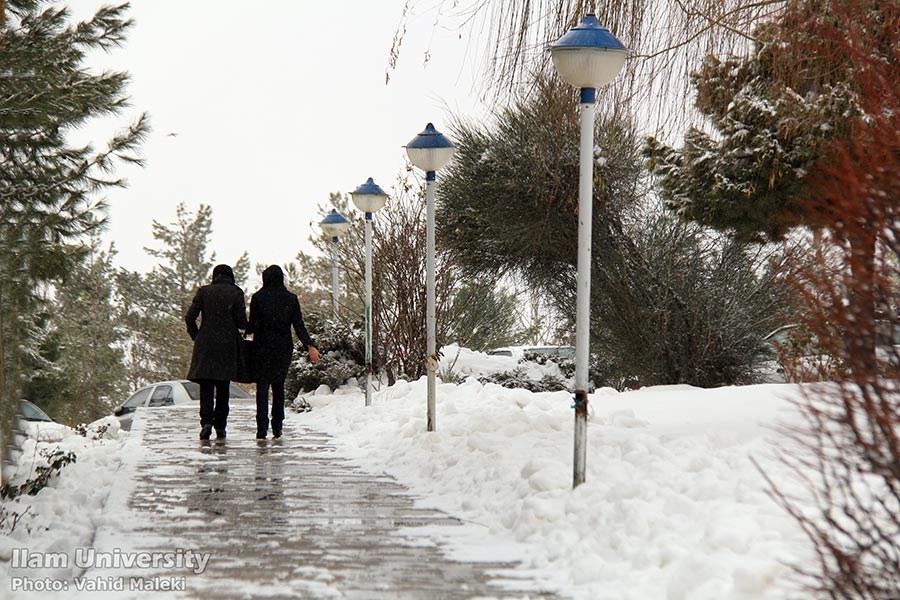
{"x": 273, "y": 311}
{"x": 223, "y": 311}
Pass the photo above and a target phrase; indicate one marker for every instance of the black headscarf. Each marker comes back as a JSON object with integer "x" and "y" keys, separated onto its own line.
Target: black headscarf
{"x": 273, "y": 277}
{"x": 223, "y": 273}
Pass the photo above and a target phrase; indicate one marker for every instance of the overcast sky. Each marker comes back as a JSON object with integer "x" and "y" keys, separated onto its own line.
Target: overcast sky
{"x": 274, "y": 104}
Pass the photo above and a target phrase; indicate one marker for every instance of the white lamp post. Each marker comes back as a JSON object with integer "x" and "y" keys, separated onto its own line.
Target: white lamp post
{"x": 369, "y": 198}
{"x": 430, "y": 150}
{"x": 588, "y": 56}
{"x": 334, "y": 225}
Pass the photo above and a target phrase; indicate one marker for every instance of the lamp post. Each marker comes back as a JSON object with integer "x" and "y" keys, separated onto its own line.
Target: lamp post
{"x": 369, "y": 198}
{"x": 430, "y": 150}
{"x": 587, "y": 56}
{"x": 334, "y": 225}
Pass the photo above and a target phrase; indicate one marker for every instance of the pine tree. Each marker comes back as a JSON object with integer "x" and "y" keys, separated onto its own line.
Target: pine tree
{"x": 775, "y": 114}
{"x": 82, "y": 375}
{"x": 770, "y": 117}
{"x": 483, "y": 315}
{"x": 49, "y": 188}
{"x": 670, "y": 304}
{"x": 153, "y": 305}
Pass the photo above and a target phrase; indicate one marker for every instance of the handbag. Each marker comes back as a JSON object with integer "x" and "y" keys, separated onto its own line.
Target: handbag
{"x": 245, "y": 371}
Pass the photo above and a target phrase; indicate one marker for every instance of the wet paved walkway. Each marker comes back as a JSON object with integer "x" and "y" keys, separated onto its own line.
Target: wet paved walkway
{"x": 285, "y": 519}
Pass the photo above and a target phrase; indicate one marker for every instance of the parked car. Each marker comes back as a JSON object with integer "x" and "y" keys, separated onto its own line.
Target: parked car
{"x": 567, "y": 352}
{"x": 39, "y": 425}
{"x": 794, "y": 354}
{"x": 167, "y": 393}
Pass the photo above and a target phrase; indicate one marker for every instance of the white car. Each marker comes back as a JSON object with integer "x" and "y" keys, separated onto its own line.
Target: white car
{"x": 567, "y": 352}
{"x": 167, "y": 393}
{"x": 39, "y": 426}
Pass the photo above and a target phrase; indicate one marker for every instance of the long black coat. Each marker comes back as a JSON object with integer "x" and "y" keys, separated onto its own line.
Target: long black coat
{"x": 273, "y": 311}
{"x": 222, "y": 307}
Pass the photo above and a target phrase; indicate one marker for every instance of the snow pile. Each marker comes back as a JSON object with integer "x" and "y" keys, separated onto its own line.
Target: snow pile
{"x": 65, "y": 514}
{"x": 673, "y": 507}
{"x": 468, "y": 362}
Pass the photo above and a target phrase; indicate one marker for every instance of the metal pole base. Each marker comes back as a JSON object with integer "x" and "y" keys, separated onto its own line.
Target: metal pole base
{"x": 432, "y": 383}
{"x": 581, "y": 400}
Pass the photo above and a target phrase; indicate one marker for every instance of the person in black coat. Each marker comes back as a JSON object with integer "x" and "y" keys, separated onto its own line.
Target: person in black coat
{"x": 214, "y": 360}
{"x": 273, "y": 311}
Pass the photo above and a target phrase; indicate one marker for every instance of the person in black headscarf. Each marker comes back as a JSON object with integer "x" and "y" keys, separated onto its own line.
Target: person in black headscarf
{"x": 214, "y": 360}
{"x": 273, "y": 311}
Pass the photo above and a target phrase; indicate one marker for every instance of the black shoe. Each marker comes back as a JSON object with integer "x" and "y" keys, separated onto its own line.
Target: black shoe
{"x": 205, "y": 432}
{"x": 220, "y": 434}
{"x": 276, "y": 433}
{"x": 260, "y": 435}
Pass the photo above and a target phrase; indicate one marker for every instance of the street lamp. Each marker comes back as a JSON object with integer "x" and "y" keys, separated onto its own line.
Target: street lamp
{"x": 430, "y": 150}
{"x": 334, "y": 225}
{"x": 369, "y": 198}
{"x": 587, "y": 56}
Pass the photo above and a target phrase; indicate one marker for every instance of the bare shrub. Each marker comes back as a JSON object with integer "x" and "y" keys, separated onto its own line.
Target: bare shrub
{"x": 850, "y": 459}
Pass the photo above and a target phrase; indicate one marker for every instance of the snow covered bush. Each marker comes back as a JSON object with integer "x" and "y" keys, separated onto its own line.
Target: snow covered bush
{"x": 58, "y": 503}
{"x": 343, "y": 356}
{"x": 519, "y": 379}
{"x": 536, "y": 372}
{"x": 53, "y": 460}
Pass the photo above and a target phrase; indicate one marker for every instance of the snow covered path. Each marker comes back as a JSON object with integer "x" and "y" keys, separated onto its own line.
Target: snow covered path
{"x": 674, "y": 508}
{"x": 279, "y": 519}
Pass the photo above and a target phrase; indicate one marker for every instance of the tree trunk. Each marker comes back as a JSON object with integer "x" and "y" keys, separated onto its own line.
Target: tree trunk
{"x": 860, "y": 338}
{"x": 5, "y": 403}
{"x": 3, "y": 399}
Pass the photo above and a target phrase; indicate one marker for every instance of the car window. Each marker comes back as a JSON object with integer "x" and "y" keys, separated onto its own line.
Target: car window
{"x": 542, "y": 350}
{"x": 234, "y": 391}
{"x": 162, "y": 396}
{"x": 192, "y": 388}
{"x": 887, "y": 333}
{"x": 238, "y": 392}
{"x": 30, "y": 412}
{"x": 138, "y": 399}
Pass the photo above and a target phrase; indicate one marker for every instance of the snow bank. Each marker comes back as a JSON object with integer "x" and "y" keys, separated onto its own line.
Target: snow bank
{"x": 673, "y": 507}
{"x": 65, "y": 514}
{"x": 471, "y": 362}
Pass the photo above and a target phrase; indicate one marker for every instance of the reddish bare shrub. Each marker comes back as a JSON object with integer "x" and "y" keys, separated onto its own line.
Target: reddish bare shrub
{"x": 850, "y": 458}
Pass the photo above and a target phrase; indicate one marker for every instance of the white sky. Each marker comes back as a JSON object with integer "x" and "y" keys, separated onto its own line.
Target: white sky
{"x": 275, "y": 106}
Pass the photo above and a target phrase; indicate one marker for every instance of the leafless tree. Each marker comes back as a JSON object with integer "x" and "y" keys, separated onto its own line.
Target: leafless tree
{"x": 398, "y": 283}
{"x": 668, "y": 38}
{"x": 850, "y": 461}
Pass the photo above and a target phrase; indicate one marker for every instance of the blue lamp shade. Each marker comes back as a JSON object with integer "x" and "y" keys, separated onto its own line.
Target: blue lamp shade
{"x": 430, "y": 150}
{"x": 335, "y": 225}
{"x": 588, "y": 56}
{"x": 369, "y": 197}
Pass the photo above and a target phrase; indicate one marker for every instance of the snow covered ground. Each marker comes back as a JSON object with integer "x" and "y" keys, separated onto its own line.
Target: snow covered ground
{"x": 65, "y": 514}
{"x": 673, "y": 508}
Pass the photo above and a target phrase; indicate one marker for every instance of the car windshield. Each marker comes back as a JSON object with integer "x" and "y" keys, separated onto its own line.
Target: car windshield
{"x": 162, "y": 396}
{"x": 193, "y": 390}
{"x": 30, "y": 412}
{"x": 238, "y": 392}
{"x": 138, "y": 399}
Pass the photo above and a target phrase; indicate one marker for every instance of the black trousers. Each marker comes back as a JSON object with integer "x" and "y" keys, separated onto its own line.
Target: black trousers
{"x": 214, "y": 394}
{"x": 262, "y": 405}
